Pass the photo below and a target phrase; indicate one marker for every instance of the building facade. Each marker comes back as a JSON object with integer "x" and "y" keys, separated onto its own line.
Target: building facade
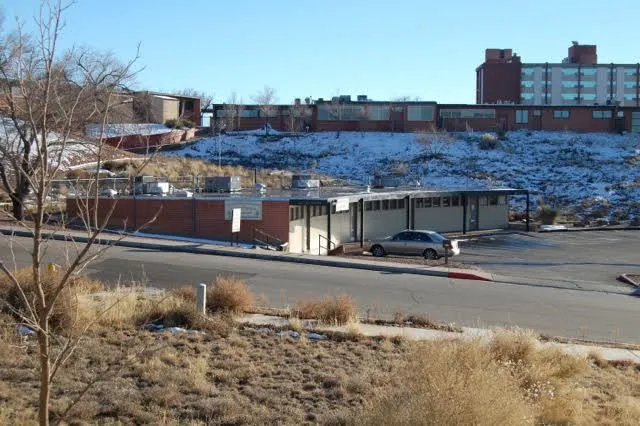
{"x": 311, "y": 221}
{"x": 428, "y": 116}
{"x": 578, "y": 80}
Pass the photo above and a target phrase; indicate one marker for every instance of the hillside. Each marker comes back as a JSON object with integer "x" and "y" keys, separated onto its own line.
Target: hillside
{"x": 587, "y": 174}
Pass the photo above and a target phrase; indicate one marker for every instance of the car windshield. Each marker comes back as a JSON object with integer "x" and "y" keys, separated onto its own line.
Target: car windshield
{"x": 437, "y": 237}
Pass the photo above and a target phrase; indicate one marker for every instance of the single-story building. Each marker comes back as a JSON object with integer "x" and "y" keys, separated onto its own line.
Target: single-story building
{"x": 309, "y": 220}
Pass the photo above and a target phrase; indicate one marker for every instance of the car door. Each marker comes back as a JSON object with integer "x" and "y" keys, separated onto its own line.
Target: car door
{"x": 422, "y": 242}
{"x": 398, "y": 244}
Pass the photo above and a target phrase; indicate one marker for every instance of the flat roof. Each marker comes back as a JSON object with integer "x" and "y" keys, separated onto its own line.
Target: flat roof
{"x": 327, "y": 194}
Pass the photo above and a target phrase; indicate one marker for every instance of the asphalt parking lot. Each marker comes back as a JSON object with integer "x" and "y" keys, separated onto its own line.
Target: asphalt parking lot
{"x": 593, "y": 258}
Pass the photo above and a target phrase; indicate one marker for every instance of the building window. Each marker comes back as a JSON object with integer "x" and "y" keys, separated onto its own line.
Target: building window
{"x": 526, "y": 98}
{"x": 427, "y": 202}
{"x": 378, "y": 112}
{"x": 630, "y": 72}
{"x": 420, "y": 113}
{"x": 560, "y": 114}
{"x": 483, "y": 200}
{"x": 249, "y": 113}
{"x": 537, "y": 113}
{"x": 588, "y": 72}
{"x": 569, "y": 84}
{"x": 393, "y": 204}
{"x": 435, "y": 201}
{"x": 527, "y": 72}
{"x": 493, "y": 200}
{"x": 368, "y": 206}
{"x": 588, "y": 84}
{"x": 468, "y": 113}
{"x": 630, "y": 84}
{"x": 401, "y": 203}
{"x": 569, "y": 72}
{"x": 385, "y": 204}
{"x": 455, "y": 201}
{"x": 527, "y": 84}
{"x": 446, "y": 202}
{"x": 602, "y": 114}
{"x": 588, "y": 97}
{"x": 502, "y": 199}
{"x": 522, "y": 116}
{"x": 419, "y": 203}
{"x": 376, "y": 205}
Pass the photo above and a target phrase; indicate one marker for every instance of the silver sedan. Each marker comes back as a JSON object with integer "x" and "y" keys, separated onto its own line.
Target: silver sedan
{"x": 416, "y": 243}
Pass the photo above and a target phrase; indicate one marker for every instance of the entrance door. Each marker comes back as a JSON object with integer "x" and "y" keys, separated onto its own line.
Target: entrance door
{"x": 353, "y": 219}
{"x": 472, "y": 213}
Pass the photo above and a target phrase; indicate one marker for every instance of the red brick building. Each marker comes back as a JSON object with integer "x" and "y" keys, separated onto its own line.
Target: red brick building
{"x": 415, "y": 116}
{"x": 578, "y": 80}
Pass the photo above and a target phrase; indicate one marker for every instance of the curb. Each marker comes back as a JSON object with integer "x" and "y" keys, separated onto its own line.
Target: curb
{"x": 625, "y": 279}
{"x": 258, "y": 256}
{"x": 599, "y": 228}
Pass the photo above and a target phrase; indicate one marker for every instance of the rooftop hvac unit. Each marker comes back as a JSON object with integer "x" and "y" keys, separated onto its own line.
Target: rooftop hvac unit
{"x": 296, "y": 101}
{"x": 386, "y": 182}
{"x": 362, "y": 98}
{"x": 345, "y": 98}
{"x": 222, "y": 184}
{"x": 157, "y": 188}
{"x": 304, "y": 182}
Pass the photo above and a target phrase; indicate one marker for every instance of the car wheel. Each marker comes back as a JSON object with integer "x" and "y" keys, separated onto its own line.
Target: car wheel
{"x": 430, "y": 254}
{"x": 377, "y": 251}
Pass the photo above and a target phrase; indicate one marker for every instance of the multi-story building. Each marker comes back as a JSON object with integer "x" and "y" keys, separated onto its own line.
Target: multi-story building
{"x": 578, "y": 80}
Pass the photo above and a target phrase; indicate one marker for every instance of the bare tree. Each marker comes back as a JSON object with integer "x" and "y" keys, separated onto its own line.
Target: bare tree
{"x": 297, "y": 116}
{"x": 49, "y": 97}
{"x": 232, "y": 111}
{"x": 266, "y": 100}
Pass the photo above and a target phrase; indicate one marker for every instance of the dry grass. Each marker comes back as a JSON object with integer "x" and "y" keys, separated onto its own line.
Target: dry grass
{"x": 508, "y": 381}
{"x": 179, "y": 167}
{"x": 64, "y": 318}
{"x": 227, "y": 294}
{"x": 252, "y": 375}
{"x": 338, "y": 310}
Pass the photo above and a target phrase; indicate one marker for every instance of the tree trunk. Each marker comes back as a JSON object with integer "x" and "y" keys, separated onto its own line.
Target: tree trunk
{"x": 18, "y": 206}
{"x": 45, "y": 372}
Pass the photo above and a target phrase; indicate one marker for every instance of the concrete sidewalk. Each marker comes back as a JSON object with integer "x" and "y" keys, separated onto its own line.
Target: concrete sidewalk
{"x": 108, "y": 238}
{"x": 410, "y": 333}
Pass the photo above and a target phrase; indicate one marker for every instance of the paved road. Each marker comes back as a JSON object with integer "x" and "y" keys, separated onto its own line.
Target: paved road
{"x": 593, "y": 259}
{"x": 472, "y": 303}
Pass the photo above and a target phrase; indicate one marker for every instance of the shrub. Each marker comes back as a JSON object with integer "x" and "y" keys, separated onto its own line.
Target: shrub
{"x": 340, "y": 309}
{"x": 547, "y": 215}
{"x": 488, "y": 142}
{"x": 229, "y": 294}
{"x": 65, "y": 310}
{"x": 172, "y": 123}
{"x": 450, "y": 383}
{"x": 179, "y": 123}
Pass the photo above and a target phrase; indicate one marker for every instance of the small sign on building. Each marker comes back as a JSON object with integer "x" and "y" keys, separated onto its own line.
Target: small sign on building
{"x": 236, "y": 216}
{"x": 342, "y": 205}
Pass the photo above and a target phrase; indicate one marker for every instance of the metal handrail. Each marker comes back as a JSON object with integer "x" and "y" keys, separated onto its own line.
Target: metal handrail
{"x": 328, "y": 246}
{"x": 269, "y": 239}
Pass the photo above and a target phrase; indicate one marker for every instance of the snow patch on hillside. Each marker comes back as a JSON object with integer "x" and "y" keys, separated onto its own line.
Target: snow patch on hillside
{"x": 569, "y": 170}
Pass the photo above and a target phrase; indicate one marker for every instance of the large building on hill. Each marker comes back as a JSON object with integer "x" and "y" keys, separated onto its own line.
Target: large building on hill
{"x": 578, "y": 80}
{"x": 407, "y": 116}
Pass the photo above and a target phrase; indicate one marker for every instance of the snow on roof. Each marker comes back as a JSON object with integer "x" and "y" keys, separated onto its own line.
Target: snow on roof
{"x": 71, "y": 153}
{"x": 125, "y": 129}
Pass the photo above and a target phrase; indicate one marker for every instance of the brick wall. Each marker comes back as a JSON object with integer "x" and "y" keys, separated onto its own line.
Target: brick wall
{"x": 176, "y": 216}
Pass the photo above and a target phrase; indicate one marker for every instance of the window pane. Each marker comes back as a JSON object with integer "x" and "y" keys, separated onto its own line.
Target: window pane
{"x": 436, "y": 201}
{"x": 378, "y": 112}
{"x": 420, "y": 113}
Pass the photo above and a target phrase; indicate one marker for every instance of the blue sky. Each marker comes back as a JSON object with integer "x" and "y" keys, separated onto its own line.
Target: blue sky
{"x": 384, "y": 49}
